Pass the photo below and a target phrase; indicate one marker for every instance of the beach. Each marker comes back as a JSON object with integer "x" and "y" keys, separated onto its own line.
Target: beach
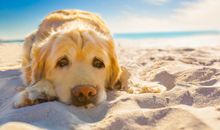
{"x": 187, "y": 75}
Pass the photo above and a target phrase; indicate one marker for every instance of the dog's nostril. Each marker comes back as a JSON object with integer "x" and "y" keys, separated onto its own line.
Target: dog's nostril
{"x": 90, "y": 94}
{"x": 80, "y": 94}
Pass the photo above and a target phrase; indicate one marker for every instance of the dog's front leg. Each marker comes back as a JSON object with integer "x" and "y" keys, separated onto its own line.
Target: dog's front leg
{"x": 41, "y": 91}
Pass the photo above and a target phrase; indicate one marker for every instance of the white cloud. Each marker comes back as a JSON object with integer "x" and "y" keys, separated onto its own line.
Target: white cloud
{"x": 201, "y": 15}
{"x": 205, "y": 14}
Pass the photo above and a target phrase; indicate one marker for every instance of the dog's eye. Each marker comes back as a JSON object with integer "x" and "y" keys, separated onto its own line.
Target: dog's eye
{"x": 62, "y": 62}
{"x": 97, "y": 63}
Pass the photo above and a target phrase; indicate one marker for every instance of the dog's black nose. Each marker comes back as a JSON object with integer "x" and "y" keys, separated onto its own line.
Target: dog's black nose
{"x": 83, "y": 94}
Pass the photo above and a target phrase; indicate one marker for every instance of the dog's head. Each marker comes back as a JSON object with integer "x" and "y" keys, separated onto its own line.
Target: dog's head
{"x": 80, "y": 64}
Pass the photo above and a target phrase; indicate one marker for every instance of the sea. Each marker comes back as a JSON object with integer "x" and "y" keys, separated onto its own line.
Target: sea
{"x": 175, "y": 37}
{"x": 153, "y": 35}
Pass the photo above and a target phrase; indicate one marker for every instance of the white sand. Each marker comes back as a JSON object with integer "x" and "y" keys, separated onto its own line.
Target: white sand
{"x": 10, "y": 56}
{"x": 191, "y": 101}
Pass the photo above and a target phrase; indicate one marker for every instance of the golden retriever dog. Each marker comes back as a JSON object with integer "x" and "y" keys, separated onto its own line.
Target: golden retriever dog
{"x": 71, "y": 58}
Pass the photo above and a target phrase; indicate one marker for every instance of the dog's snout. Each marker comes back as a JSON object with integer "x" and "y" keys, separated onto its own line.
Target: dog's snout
{"x": 84, "y": 91}
{"x": 84, "y": 94}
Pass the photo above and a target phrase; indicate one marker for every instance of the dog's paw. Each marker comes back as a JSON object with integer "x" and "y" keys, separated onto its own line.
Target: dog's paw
{"x": 22, "y": 100}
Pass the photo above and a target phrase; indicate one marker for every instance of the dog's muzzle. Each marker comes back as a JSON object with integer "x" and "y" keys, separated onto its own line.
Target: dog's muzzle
{"x": 84, "y": 94}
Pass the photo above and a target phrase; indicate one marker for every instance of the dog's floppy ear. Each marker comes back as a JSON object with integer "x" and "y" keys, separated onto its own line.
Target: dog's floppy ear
{"x": 26, "y": 58}
{"x": 114, "y": 72}
{"x": 117, "y": 76}
{"x": 38, "y": 63}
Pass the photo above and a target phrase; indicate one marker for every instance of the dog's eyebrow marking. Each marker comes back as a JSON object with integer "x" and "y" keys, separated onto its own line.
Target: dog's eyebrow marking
{"x": 63, "y": 56}
{"x": 82, "y": 40}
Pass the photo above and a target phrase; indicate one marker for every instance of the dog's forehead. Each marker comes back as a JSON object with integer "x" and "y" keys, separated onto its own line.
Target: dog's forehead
{"x": 79, "y": 39}
{"x": 74, "y": 44}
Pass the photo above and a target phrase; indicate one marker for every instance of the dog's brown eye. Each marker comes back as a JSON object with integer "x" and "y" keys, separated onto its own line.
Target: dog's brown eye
{"x": 63, "y": 62}
{"x": 97, "y": 63}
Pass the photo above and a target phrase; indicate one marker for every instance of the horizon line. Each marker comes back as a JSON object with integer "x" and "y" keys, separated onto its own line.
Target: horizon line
{"x": 146, "y": 34}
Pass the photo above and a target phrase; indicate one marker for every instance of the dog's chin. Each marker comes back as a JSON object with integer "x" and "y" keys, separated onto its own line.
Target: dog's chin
{"x": 89, "y": 106}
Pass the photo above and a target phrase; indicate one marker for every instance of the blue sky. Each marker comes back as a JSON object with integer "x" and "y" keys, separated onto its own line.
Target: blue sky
{"x": 20, "y": 17}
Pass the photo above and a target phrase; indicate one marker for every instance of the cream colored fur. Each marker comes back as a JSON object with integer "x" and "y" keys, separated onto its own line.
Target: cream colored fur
{"x": 80, "y": 36}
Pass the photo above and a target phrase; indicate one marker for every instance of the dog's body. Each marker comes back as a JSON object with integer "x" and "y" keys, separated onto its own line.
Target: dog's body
{"x": 70, "y": 57}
